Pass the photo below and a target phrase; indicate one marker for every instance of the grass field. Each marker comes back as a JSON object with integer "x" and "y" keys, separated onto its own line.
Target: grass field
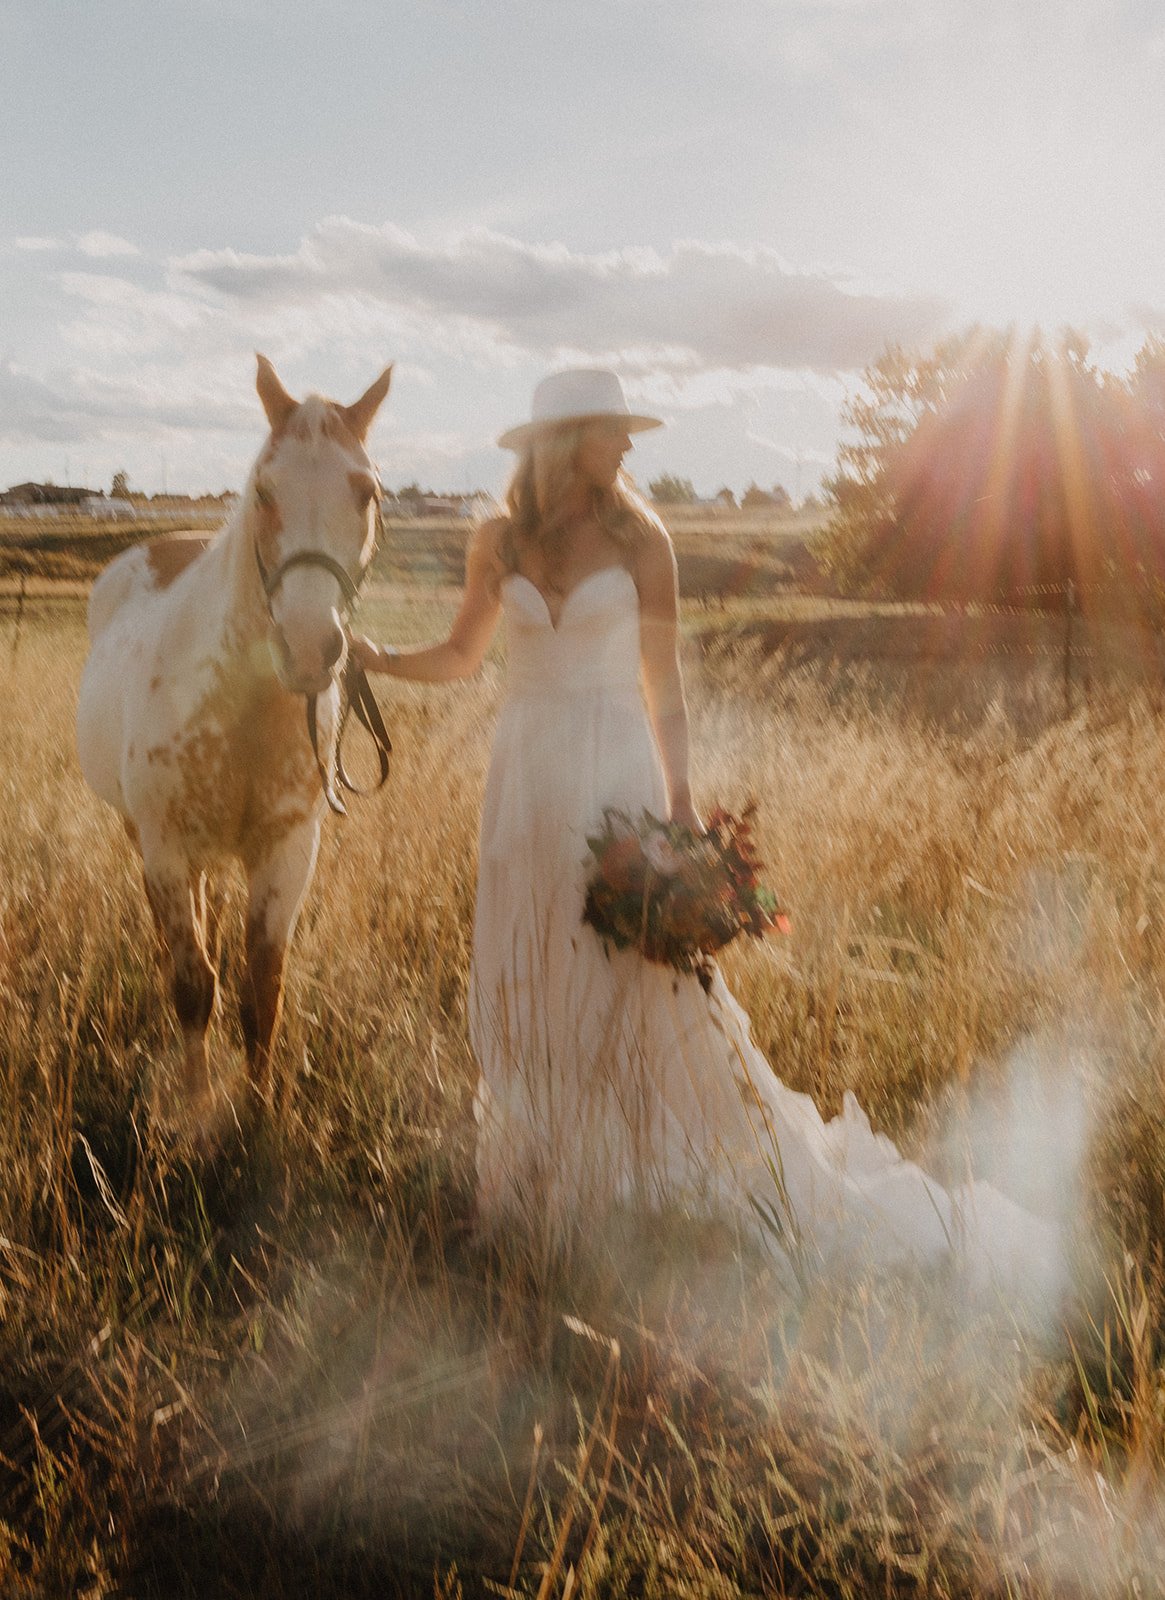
{"x": 289, "y": 1366}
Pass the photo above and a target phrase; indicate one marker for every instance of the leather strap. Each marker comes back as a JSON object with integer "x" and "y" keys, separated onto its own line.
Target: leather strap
{"x": 310, "y": 558}
{"x": 357, "y": 699}
{"x": 356, "y": 696}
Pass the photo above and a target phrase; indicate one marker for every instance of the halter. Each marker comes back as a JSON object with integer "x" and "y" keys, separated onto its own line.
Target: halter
{"x": 310, "y": 558}
{"x": 355, "y": 692}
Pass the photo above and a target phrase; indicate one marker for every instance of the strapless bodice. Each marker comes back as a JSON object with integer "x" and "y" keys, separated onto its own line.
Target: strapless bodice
{"x": 593, "y": 646}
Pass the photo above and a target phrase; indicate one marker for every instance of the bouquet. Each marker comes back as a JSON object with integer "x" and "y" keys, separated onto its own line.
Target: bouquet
{"x": 677, "y": 896}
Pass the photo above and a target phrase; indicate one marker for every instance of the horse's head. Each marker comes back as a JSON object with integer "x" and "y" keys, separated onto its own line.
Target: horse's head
{"x": 311, "y": 509}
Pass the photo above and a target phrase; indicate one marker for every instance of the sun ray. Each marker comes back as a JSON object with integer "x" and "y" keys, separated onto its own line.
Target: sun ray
{"x": 1078, "y": 502}
{"x": 995, "y": 524}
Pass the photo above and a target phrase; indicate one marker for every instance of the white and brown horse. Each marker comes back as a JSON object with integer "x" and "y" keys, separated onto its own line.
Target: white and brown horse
{"x": 191, "y": 715}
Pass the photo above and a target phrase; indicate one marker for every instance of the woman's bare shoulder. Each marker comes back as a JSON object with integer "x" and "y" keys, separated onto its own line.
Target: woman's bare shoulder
{"x": 487, "y": 540}
{"x": 488, "y": 534}
{"x": 654, "y": 549}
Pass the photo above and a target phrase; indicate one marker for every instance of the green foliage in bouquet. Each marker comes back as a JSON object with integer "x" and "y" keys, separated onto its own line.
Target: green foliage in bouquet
{"x": 677, "y": 896}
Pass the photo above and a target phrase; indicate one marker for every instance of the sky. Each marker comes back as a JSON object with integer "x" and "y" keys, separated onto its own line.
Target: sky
{"x": 735, "y": 203}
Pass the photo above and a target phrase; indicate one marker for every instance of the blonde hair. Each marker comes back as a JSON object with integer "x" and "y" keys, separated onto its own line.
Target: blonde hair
{"x": 542, "y": 495}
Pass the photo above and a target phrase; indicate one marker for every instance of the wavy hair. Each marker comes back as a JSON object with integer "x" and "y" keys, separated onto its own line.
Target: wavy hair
{"x": 542, "y": 493}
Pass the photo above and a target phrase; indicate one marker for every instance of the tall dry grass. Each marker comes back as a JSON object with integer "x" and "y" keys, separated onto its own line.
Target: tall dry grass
{"x": 288, "y": 1365}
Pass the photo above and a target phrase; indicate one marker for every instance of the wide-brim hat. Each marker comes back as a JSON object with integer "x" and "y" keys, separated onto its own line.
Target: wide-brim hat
{"x": 578, "y": 394}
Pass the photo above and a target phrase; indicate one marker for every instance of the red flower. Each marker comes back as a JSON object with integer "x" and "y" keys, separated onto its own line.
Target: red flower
{"x": 621, "y": 864}
{"x": 676, "y": 896}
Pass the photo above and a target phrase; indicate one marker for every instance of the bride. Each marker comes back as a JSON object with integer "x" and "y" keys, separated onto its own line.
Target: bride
{"x": 608, "y": 1078}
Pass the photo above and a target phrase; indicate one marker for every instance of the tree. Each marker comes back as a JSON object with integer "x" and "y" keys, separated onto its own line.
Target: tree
{"x": 119, "y": 488}
{"x": 897, "y": 391}
{"x": 755, "y": 498}
{"x": 1146, "y": 392}
{"x": 1141, "y": 454}
{"x": 725, "y": 497}
{"x": 994, "y": 468}
{"x": 668, "y": 490}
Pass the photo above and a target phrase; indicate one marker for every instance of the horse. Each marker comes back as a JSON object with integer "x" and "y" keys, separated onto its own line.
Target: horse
{"x": 190, "y": 718}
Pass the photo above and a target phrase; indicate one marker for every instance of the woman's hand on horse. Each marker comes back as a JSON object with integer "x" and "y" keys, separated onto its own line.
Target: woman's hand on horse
{"x": 372, "y": 657}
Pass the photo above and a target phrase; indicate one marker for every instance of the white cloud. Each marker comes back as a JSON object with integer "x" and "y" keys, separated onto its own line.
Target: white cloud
{"x": 719, "y": 304}
{"x": 127, "y": 310}
{"x": 31, "y": 409}
{"x": 736, "y": 346}
{"x": 98, "y": 245}
{"x": 695, "y": 389}
{"x": 101, "y": 245}
{"x": 85, "y": 405}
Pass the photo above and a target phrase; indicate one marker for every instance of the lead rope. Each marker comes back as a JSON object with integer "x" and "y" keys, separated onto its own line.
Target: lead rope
{"x": 356, "y": 697}
{"x": 355, "y": 691}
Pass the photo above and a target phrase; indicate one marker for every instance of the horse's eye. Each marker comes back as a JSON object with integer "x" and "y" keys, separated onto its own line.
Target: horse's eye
{"x": 364, "y": 487}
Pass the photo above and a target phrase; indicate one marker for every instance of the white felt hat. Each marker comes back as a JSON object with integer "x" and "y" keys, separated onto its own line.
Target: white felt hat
{"x": 576, "y": 395}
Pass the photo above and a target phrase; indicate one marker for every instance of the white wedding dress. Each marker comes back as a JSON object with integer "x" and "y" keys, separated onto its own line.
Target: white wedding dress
{"x": 612, "y": 1079}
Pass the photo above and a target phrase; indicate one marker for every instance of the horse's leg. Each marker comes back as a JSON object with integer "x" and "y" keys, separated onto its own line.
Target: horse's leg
{"x": 276, "y": 886}
{"x": 176, "y": 897}
{"x": 214, "y": 904}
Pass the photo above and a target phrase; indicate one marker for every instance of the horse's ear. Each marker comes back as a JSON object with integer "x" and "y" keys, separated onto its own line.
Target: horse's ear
{"x": 277, "y": 403}
{"x": 358, "y": 416}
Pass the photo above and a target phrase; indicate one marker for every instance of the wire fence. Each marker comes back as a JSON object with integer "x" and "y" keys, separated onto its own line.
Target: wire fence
{"x": 1103, "y": 625}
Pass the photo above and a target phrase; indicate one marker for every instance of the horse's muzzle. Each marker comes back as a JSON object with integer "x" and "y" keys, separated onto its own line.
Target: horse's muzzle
{"x": 310, "y": 668}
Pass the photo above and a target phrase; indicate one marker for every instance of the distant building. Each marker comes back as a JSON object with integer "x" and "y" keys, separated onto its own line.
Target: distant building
{"x": 46, "y": 494}
{"x": 108, "y": 506}
{"x": 45, "y": 500}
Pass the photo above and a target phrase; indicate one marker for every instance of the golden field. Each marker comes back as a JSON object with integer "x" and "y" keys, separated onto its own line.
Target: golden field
{"x": 287, "y": 1365}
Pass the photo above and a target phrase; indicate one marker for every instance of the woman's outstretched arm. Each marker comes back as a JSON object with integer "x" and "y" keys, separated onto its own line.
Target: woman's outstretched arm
{"x": 663, "y": 683}
{"x": 459, "y": 655}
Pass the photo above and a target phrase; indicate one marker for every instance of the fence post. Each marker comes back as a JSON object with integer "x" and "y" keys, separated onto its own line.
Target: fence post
{"x": 1069, "y": 612}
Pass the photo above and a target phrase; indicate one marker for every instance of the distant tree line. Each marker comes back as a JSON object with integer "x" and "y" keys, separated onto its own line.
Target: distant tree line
{"x": 669, "y": 490}
{"x": 1004, "y": 467}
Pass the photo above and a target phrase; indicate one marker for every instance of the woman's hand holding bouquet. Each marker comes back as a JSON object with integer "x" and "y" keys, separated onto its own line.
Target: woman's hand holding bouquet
{"x": 676, "y": 895}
